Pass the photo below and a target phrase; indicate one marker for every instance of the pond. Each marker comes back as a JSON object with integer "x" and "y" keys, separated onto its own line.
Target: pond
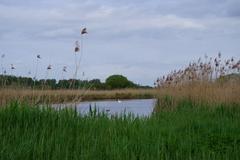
{"x": 138, "y": 107}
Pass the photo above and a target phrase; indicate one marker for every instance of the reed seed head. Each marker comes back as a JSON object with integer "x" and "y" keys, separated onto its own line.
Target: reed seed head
{"x": 49, "y": 67}
{"x": 12, "y": 66}
{"x": 84, "y": 31}
{"x": 77, "y": 47}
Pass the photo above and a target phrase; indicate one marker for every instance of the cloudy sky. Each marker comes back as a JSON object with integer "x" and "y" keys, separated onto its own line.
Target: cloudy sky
{"x": 141, "y": 39}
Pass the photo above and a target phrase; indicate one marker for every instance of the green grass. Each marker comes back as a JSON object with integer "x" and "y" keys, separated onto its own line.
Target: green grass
{"x": 187, "y": 132}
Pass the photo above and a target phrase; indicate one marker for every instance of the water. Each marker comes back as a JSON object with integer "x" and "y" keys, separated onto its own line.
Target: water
{"x": 138, "y": 107}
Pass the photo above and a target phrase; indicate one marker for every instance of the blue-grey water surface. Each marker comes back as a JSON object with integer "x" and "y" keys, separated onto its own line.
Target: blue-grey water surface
{"x": 138, "y": 107}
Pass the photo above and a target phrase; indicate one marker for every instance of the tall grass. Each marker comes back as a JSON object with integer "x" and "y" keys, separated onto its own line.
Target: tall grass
{"x": 188, "y": 132}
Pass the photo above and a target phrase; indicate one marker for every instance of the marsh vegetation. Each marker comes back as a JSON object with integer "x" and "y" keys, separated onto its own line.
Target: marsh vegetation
{"x": 196, "y": 117}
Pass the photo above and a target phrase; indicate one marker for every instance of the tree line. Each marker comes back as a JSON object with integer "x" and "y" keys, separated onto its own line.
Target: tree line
{"x": 112, "y": 82}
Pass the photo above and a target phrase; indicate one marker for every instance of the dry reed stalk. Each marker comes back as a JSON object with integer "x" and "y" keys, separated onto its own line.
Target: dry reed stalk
{"x": 78, "y": 60}
{"x": 210, "y": 93}
{"x": 1, "y": 61}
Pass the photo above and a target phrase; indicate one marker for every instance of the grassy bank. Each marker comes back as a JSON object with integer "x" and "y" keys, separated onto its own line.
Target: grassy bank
{"x": 190, "y": 131}
{"x": 65, "y": 96}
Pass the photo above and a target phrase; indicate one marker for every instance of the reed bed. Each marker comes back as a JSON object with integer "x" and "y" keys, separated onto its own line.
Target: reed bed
{"x": 209, "y": 69}
{"x": 211, "y": 93}
{"x": 65, "y": 96}
{"x": 185, "y": 133}
{"x": 209, "y": 81}
{"x": 199, "y": 93}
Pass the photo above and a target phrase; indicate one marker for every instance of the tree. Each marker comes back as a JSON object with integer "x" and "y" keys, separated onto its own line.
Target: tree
{"x": 119, "y": 81}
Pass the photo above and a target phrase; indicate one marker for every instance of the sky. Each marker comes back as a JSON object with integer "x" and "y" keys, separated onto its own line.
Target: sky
{"x": 140, "y": 39}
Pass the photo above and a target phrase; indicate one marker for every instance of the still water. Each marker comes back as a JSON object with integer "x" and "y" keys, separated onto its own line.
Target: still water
{"x": 138, "y": 107}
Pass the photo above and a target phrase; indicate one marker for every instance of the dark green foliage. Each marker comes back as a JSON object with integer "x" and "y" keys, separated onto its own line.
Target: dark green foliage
{"x": 119, "y": 81}
{"x": 188, "y": 132}
{"x": 96, "y": 84}
{"x": 16, "y": 81}
{"x": 63, "y": 84}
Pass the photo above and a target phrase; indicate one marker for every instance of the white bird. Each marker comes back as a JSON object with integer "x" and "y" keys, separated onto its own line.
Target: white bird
{"x": 119, "y": 101}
